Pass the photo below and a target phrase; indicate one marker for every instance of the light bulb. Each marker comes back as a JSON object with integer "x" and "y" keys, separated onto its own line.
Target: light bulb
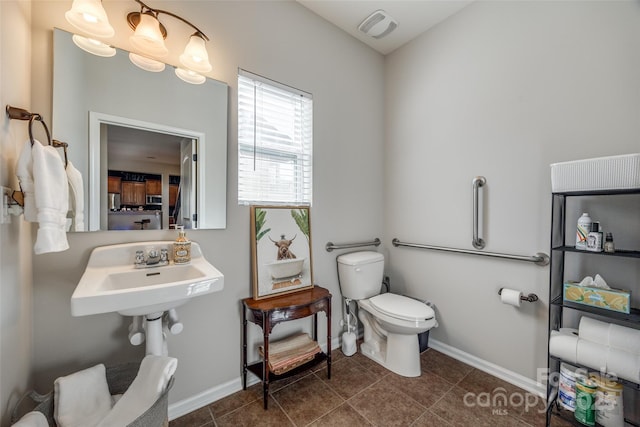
{"x": 195, "y": 56}
{"x": 90, "y": 17}
{"x": 147, "y": 37}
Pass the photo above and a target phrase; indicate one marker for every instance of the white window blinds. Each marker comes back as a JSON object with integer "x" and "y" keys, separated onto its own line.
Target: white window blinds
{"x": 275, "y": 141}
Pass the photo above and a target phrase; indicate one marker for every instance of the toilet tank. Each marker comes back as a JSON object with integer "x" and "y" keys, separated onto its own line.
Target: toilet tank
{"x": 360, "y": 274}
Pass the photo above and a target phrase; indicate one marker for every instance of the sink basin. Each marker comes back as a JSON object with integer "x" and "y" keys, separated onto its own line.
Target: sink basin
{"x": 111, "y": 283}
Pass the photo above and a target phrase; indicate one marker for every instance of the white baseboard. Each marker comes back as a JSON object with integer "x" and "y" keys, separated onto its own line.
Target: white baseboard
{"x": 491, "y": 368}
{"x": 206, "y": 397}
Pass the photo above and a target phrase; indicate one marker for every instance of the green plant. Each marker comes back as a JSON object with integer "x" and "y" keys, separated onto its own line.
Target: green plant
{"x": 301, "y": 217}
{"x": 260, "y": 219}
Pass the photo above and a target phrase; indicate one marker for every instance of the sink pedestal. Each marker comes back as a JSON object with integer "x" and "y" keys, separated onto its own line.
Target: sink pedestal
{"x": 156, "y": 342}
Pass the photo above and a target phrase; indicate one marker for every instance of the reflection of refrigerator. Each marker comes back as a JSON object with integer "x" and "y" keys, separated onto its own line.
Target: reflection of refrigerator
{"x": 114, "y": 201}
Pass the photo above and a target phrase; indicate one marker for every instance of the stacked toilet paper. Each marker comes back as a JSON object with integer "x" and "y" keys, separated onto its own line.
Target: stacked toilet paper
{"x": 599, "y": 345}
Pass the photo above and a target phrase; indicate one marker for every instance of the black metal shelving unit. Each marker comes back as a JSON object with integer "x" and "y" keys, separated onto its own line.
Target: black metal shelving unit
{"x": 559, "y": 249}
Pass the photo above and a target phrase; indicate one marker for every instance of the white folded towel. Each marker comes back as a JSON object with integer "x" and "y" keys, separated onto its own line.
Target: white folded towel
{"x": 32, "y": 419}
{"x": 24, "y": 170}
{"x": 82, "y": 399}
{"x": 76, "y": 197}
{"x": 51, "y": 198}
{"x": 150, "y": 382}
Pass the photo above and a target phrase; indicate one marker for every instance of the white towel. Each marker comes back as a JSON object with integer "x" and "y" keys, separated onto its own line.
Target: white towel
{"x": 52, "y": 198}
{"x": 24, "y": 170}
{"x": 82, "y": 399}
{"x": 148, "y": 385}
{"x": 76, "y": 197}
{"x": 32, "y": 419}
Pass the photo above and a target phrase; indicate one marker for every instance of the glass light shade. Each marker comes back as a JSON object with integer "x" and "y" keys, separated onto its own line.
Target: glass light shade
{"x": 90, "y": 17}
{"x": 93, "y": 46}
{"x": 148, "y": 38}
{"x": 145, "y": 63}
{"x": 190, "y": 76}
{"x": 195, "y": 55}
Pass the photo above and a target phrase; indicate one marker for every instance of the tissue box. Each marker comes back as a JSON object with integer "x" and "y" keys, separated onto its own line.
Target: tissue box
{"x": 608, "y": 299}
{"x": 601, "y": 173}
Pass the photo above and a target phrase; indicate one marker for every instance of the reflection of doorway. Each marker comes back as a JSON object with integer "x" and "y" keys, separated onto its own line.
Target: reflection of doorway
{"x": 144, "y": 149}
{"x": 188, "y": 208}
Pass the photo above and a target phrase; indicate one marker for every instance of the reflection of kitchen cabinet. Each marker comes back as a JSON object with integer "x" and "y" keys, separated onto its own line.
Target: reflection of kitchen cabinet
{"x": 173, "y": 195}
{"x": 113, "y": 185}
{"x": 154, "y": 187}
{"x": 133, "y": 193}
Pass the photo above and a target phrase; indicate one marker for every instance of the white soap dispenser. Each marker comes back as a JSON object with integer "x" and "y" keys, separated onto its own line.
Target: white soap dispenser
{"x": 181, "y": 248}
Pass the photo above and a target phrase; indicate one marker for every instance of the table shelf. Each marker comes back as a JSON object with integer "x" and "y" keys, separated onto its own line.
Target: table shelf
{"x": 267, "y": 313}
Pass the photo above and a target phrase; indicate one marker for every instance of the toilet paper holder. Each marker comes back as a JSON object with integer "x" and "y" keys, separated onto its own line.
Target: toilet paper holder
{"x": 529, "y": 298}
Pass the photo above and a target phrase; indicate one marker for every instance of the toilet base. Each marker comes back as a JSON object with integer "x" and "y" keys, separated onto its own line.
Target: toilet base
{"x": 404, "y": 361}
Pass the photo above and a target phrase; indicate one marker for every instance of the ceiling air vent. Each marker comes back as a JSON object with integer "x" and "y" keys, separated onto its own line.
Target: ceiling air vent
{"x": 378, "y": 24}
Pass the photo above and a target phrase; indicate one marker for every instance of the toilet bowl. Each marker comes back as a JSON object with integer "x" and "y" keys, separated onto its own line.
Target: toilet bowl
{"x": 391, "y": 322}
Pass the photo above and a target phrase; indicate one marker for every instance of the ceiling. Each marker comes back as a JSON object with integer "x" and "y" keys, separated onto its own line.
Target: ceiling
{"x": 414, "y": 17}
{"x": 126, "y": 144}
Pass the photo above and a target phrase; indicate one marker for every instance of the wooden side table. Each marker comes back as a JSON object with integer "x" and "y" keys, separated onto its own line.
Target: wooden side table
{"x": 267, "y": 313}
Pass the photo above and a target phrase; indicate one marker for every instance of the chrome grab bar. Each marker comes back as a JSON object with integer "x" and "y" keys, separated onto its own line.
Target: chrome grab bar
{"x": 478, "y": 182}
{"x": 539, "y": 259}
{"x": 331, "y": 246}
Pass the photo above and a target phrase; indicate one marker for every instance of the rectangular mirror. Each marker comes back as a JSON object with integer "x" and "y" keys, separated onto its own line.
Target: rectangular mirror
{"x": 166, "y": 141}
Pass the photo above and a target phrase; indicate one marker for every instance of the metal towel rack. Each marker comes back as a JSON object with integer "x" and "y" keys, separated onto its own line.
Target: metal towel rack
{"x": 331, "y": 246}
{"x": 15, "y": 113}
{"x": 539, "y": 259}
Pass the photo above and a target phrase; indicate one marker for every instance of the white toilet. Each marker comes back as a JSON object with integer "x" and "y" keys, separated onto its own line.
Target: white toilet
{"x": 391, "y": 322}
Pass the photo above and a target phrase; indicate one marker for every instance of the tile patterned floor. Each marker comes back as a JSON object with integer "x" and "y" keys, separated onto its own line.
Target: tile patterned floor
{"x": 362, "y": 393}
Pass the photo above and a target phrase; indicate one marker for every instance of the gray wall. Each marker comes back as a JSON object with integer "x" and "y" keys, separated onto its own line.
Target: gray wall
{"x": 502, "y": 89}
{"x": 280, "y": 40}
{"x": 16, "y": 298}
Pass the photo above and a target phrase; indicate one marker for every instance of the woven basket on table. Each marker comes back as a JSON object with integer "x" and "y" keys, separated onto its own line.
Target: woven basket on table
{"x": 119, "y": 379}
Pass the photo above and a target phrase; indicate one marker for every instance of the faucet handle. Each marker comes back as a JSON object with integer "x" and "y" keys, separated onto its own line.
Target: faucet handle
{"x": 139, "y": 257}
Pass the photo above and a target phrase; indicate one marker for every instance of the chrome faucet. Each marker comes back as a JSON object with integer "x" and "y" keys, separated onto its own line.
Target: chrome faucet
{"x": 154, "y": 258}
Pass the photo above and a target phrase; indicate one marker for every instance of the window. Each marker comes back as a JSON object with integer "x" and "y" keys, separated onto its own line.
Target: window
{"x": 275, "y": 139}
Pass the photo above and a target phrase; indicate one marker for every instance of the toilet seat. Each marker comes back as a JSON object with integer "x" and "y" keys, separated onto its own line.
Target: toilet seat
{"x": 401, "y": 307}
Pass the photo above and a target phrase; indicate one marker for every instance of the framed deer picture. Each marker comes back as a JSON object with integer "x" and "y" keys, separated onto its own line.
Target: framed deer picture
{"x": 280, "y": 250}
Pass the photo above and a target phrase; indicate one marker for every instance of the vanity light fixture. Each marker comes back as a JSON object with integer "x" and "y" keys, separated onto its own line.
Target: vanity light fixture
{"x": 148, "y": 39}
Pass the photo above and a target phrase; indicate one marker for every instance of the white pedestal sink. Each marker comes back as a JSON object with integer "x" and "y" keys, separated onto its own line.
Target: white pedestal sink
{"x": 111, "y": 283}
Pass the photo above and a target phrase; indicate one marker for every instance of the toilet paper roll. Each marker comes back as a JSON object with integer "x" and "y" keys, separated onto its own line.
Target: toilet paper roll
{"x": 627, "y": 339}
{"x": 569, "y": 331}
{"x": 563, "y": 346}
{"x": 594, "y": 330}
{"x": 624, "y": 364}
{"x": 511, "y": 297}
{"x": 592, "y": 355}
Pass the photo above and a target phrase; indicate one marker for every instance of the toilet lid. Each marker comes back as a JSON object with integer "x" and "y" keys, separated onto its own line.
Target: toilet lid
{"x": 402, "y": 307}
